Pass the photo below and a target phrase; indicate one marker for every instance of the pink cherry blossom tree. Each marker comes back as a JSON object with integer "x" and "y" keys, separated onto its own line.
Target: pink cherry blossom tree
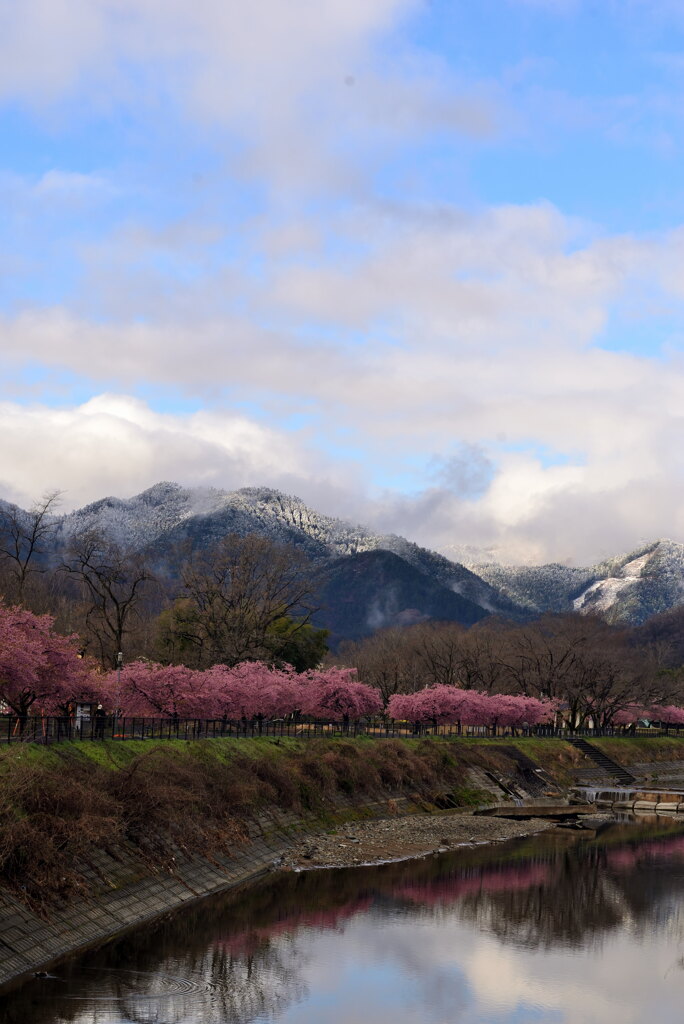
{"x": 39, "y": 668}
{"x": 173, "y": 691}
{"x": 670, "y": 714}
{"x": 631, "y": 714}
{"x": 515, "y": 711}
{"x": 336, "y": 694}
{"x": 254, "y": 690}
{"x": 449, "y": 704}
{"x": 438, "y": 705}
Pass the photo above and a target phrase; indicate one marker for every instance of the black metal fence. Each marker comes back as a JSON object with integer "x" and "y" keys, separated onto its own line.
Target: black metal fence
{"x": 52, "y": 729}
{"x": 652, "y": 731}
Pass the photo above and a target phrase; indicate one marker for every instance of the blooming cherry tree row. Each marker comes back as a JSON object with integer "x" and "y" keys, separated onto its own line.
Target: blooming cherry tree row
{"x": 42, "y": 672}
{"x": 669, "y": 715}
{"x": 248, "y": 690}
{"x": 254, "y": 690}
{"x": 631, "y": 714}
{"x": 449, "y": 704}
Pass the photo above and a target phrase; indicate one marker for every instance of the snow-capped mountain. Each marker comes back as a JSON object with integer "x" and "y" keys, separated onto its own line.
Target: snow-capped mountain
{"x": 538, "y": 588}
{"x": 627, "y": 588}
{"x": 166, "y": 514}
{"x": 635, "y": 586}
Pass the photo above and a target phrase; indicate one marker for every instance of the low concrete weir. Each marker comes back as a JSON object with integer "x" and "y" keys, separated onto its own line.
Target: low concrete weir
{"x": 639, "y": 800}
{"x": 536, "y": 809}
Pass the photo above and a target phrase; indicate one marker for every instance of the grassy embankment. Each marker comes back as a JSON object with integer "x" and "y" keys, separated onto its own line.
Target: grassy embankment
{"x": 561, "y": 759}
{"x": 558, "y": 758}
{"x": 59, "y": 804}
{"x": 643, "y": 750}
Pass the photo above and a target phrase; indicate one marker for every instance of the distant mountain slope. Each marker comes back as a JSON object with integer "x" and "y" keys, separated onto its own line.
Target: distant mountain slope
{"x": 538, "y": 588}
{"x": 165, "y": 515}
{"x": 627, "y": 588}
{"x": 375, "y": 589}
{"x": 370, "y": 580}
{"x": 281, "y": 518}
{"x": 648, "y": 581}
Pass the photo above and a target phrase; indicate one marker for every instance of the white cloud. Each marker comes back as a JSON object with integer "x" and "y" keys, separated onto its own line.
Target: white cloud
{"x": 117, "y": 445}
{"x": 442, "y": 330}
{"x": 29, "y": 199}
{"x": 303, "y": 85}
{"x": 403, "y": 333}
{"x": 446, "y": 969}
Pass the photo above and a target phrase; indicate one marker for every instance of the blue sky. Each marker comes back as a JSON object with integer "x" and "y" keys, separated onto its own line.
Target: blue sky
{"x": 331, "y": 249}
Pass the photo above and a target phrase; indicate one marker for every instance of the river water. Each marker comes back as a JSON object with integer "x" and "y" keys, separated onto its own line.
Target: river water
{"x": 556, "y": 929}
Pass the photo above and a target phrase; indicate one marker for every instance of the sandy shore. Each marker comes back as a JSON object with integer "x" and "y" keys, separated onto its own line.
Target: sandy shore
{"x": 372, "y": 842}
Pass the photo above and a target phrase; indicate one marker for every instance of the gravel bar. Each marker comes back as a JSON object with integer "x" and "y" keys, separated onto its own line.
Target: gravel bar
{"x": 372, "y": 842}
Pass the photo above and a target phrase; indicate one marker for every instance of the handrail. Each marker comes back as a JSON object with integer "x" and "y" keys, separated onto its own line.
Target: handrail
{"x": 47, "y": 729}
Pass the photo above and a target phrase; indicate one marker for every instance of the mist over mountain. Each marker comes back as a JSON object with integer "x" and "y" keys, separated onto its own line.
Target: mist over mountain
{"x": 372, "y": 590}
{"x": 369, "y": 580}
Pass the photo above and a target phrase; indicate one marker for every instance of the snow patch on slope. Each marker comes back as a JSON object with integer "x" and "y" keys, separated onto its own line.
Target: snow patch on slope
{"x": 603, "y": 594}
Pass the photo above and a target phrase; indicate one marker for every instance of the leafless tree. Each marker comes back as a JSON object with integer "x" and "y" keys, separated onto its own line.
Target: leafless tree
{"x": 585, "y": 663}
{"x": 538, "y": 659}
{"x": 388, "y": 660}
{"x": 112, "y": 583}
{"x": 23, "y": 539}
{"x": 237, "y": 593}
{"x": 440, "y": 647}
{"x": 480, "y": 666}
{"x": 404, "y": 660}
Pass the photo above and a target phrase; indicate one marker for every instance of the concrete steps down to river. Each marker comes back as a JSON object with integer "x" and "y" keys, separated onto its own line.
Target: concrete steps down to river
{"x": 610, "y": 767}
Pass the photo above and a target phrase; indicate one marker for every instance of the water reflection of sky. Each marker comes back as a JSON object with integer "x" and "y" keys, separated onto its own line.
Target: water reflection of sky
{"x": 403, "y": 972}
{"x": 552, "y": 930}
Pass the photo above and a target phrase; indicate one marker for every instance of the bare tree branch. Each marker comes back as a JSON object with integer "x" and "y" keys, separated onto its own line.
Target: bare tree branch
{"x": 23, "y": 536}
{"x": 113, "y": 583}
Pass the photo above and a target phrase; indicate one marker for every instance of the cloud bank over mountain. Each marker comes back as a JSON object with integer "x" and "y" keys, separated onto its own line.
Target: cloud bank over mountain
{"x": 390, "y": 256}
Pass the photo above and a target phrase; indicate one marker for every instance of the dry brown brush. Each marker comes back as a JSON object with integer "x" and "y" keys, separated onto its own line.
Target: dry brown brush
{"x": 58, "y": 807}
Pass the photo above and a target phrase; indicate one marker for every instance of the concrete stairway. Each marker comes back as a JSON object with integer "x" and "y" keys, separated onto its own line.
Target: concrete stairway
{"x": 612, "y": 768}
{"x": 534, "y": 780}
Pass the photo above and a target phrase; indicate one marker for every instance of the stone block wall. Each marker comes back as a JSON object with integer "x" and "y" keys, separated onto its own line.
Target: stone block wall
{"x": 124, "y": 891}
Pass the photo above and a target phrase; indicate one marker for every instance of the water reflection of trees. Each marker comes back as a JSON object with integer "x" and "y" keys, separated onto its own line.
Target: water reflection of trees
{"x": 180, "y": 975}
{"x": 581, "y": 899}
{"x": 590, "y": 890}
{"x": 238, "y": 957}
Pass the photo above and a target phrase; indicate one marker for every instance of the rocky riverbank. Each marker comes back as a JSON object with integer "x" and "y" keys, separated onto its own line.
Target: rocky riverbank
{"x": 418, "y": 835}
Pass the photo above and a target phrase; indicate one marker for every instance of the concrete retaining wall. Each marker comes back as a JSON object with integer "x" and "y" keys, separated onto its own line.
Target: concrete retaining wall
{"x": 124, "y": 891}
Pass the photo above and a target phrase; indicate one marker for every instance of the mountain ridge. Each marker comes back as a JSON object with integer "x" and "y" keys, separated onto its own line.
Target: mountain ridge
{"x": 629, "y": 587}
{"x": 366, "y": 580}
{"x": 166, "y": 514}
